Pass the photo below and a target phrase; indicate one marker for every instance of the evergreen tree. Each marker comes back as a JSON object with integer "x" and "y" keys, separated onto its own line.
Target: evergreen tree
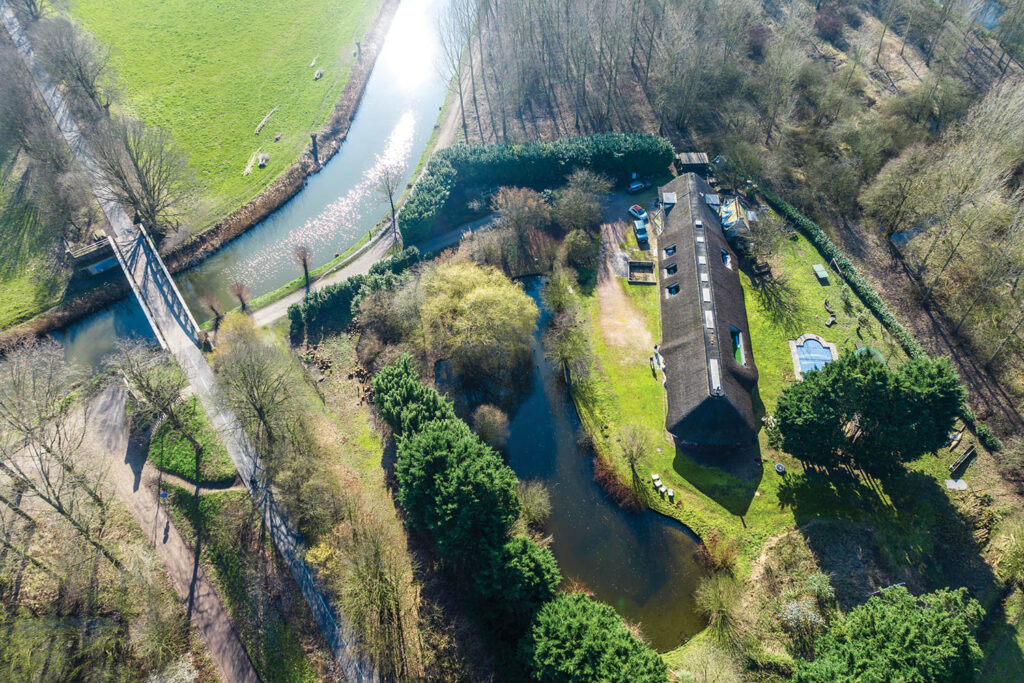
{"x": 574, "y": 639}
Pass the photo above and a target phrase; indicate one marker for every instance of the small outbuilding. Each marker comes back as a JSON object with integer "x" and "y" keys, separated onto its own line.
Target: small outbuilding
{"x": 709, "y": 368}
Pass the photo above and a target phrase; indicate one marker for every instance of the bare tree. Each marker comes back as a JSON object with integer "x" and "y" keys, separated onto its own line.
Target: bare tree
{"x": 210, "y": 301}
{"x": 41, "y": 435}
{"x": 75, "y": 61}
{"x": 158, "y": 385}
{"x": 303, "y": 255}
{"x": 31, "y": 10}
{"x": 388, "y": 182}
{"x": 256, "y": 379}
{"x": 240, "y": 291}
{"x": 452, "y": 31}
{"x": 634, "y": 444}
{"x": 144, "y": 171}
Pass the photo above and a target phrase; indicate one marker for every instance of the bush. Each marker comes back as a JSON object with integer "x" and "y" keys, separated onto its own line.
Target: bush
{"x": 296, "y": 326}
{"x": 398, "y": 263}
{"x": 829, "y": 25}
{"x": 858, "y": 284}
{"x": 491, "y": 425}
{"x": 574, "y": 639}
{"x": 987, "y": 438}
{"x": 534, "y": 503}
{"x": 537, "y": 165}
{"x": 581, "y": 250}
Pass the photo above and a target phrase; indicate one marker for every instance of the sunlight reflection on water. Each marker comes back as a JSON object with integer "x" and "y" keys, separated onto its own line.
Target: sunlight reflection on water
{"x": 338, "y": 217}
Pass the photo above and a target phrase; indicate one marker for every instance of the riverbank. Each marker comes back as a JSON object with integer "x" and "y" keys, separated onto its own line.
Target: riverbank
{"x": 285, "y": 187}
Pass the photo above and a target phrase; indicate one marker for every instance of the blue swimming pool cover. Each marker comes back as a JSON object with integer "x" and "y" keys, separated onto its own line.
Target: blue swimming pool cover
{"x": 812, "y": 355}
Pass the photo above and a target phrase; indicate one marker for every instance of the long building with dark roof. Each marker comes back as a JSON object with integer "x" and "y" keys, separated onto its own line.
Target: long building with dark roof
{"x": 710, "y": 374}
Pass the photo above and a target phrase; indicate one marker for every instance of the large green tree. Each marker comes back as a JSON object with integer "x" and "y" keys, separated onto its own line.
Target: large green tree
{"x": 404, "y": 402}
{"x": 855, "y": 410}
{"x": 574, "y": 639}
{"x": 513, "y": 585}
{"x": 897, "y": 637}
{"x": 457, "y": 489}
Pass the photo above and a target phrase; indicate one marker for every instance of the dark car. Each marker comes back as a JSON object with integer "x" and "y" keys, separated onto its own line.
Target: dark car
{"x": 638, "y": 186}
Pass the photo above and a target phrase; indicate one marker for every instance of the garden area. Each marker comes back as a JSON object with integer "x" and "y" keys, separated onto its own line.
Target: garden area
{"x": 208, "y": 74}
{"x": 865, "y": 532}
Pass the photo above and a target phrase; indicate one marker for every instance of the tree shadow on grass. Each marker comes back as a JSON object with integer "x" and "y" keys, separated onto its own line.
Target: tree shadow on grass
{"x": 728, "y": 476}
{"x": 778, "y": 300}
{"x": 868, "y": 533}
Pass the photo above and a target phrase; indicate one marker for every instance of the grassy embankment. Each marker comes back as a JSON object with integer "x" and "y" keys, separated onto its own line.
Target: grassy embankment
{"x": 170, "y": 452}
{"x": 209, "y": 73}
{"x": 265, "y": 604}
{"x": 909, "y": 522}
{"x": 31, "y": 279}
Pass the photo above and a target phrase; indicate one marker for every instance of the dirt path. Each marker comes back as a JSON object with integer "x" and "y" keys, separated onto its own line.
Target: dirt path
{"x": 135, "y": 483}
{"x": 620, "y": 323}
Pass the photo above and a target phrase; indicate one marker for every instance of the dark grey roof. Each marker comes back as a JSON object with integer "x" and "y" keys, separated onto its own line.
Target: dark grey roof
{"x": 709, "y": 393}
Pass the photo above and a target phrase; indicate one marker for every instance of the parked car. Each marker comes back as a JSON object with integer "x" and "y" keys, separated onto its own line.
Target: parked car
{"x": 637, "y": 211}
{"x": 638, "y": 186}
{"x": 640, "y": 230}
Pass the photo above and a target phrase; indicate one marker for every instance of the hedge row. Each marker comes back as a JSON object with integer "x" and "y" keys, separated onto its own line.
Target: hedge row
{"x": 332, "y": 308}
{"x": 858, "y": 284}
{"x": 537, "y": 164}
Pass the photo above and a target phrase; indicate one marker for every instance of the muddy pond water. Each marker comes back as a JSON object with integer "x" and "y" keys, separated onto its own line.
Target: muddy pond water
{"x": 642, "y": 563}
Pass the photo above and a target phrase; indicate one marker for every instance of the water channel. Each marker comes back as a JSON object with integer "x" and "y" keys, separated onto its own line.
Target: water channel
{"x": 338, "y": 205}
{"x": 643, "y": 564}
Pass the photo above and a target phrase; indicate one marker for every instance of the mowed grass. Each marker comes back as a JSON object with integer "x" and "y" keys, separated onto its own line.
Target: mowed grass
{"x": 208, "y": 72}
{"x": 31, "y": 278}
{"x": 911, "y": 523}
{"x": 259, "y": 593}
{"x": 171, "y": 452}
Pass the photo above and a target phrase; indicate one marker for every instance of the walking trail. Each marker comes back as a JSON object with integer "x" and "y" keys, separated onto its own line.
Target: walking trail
{"x": 136, "y": 483}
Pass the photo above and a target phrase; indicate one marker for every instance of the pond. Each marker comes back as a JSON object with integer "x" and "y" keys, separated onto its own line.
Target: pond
{"x": 643, "y": 564}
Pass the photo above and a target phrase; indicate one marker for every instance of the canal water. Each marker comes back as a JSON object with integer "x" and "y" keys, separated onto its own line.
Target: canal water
{"x": 338, "y": 205}
{"x": 642, "y": 563}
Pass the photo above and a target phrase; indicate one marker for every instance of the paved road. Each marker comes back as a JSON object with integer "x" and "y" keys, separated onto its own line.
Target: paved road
{"x": 173, "y": 324}
{"x": 372, "y": 252}
{"x": 135, "y": 483}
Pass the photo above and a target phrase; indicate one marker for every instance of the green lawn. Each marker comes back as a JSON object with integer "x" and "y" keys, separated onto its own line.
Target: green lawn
{"x": 208, "y": 72}
{"x": 31, "y": 280}
{"x": 859, "y": 531}
{"x": 171, "y": 452}
{"x": 253, "y": 582}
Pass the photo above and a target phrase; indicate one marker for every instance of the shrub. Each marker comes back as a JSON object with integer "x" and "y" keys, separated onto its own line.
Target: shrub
{"x": 574, "y": 638}
{"x": 581, "y": 250}
{"x": 296, "y": 326}
{"x": 829, "y": 25}
{"x": 718, "y": 598}
{"x": 491, "y": 425}
{"x": 987, "y": 438}
{"x": 398, "y": 263}
{"x": 537, "y": 165}
{"x": 534, "y": 503}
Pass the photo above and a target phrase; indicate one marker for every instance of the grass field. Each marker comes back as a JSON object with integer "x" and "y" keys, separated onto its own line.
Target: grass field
{"x": 171, "y": 452}
{"x": 861, "y": 532}
{"x": 256, "y": 588}
{"x": 31, "y": 280}
{"x": 209, "y": 72}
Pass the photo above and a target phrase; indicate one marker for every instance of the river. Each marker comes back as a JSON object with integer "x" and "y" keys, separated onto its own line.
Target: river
{"x": 641, "y": 563}
{"x": 396, "y": 115}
